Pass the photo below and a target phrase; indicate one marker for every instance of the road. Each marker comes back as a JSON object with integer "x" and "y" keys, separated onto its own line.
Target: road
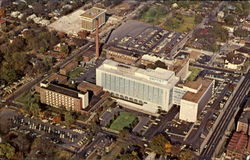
{"x": 193, "y": 137}
{"x": 220, "y": 129}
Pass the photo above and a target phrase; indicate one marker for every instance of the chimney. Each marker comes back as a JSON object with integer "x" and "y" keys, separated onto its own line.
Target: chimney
{"x": 97, "y": 45}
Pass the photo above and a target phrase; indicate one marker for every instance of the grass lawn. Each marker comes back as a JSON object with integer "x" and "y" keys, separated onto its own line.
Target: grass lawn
{"x": 75, "y": 73}
{"x": 24, "y": 98}
{"x": 187, "y": 25}
{"x": 195, "y": 71}
{"x": 123, "y": 120}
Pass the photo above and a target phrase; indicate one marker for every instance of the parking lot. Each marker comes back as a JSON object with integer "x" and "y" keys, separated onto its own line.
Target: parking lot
{"x": 72, "y": 139}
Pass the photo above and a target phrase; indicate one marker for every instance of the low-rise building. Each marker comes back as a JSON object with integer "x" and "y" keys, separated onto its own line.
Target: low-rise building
{"x": 2, "y": 23}
{"x": 235, "y": 62}
{"x": 121, "y": 55}
{"x": 90, "y": 16}
{"x": 68, "y": 67}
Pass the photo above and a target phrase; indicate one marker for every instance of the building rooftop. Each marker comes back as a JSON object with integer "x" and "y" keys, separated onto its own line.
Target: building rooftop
{"x": 86, "y": 86}
{"x": 245, "y": 115}
{"x": 238, "y": 142}
{"x": 70, "y": 65}
{"x": 145, "y": 38}
{"x": 123, "y": 51}
{"x": 195, "y": 97}
{"x": 157, "y": 76}
{"x": 62, "y": 89}
{"x": 237, "y": 59}
{"x": 2, "y": 21}
{"x": 93, "y": 12}
{"x": 57, "y": 77}
{"x": 243, "y": 50}
{"x": 194, "y": 84}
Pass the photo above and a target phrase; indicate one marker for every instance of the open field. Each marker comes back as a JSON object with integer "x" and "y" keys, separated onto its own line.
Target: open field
{"x": 123, "y": 120}
{"x": 24, "y": 98}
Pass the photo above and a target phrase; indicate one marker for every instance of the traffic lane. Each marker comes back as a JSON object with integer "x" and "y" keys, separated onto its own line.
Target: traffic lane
{"x": 232, "y": 108}
{"x": 226, "y": 118}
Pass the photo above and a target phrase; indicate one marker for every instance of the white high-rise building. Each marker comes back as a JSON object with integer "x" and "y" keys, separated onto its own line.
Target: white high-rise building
{"x": 143, "y": 89}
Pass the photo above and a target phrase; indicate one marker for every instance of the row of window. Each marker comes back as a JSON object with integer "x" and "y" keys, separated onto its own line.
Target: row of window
{"x": 132, "y": 88}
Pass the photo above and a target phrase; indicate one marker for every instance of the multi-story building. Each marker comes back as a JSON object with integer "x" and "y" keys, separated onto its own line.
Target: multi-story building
{"x": 243, "y": 124}
{"x": 237, "y": 147}
{"x": 146, "y": 90}
{"x": 192, "y": 98}
{"x": 60, "y": 96}
{"x": 90, "y": 16}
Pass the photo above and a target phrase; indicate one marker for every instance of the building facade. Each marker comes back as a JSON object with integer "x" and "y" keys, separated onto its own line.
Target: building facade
{"x": 193, "y": 98}
{"x": 60, "y": 97}
{"x": 144, "y": 89}
{"x": 90, "y": 17}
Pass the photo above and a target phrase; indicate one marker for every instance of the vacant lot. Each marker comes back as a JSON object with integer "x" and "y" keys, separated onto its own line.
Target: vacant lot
{"x": 159, "y": 15}
{"x": 123, "y": 120}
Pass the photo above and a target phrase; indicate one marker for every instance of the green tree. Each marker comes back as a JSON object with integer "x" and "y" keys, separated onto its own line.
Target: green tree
{"x": 229, "y": 20}
{"x": 129, "y": 156}
{"x": 158, "y": 144}
{"x": 6, "y": 150}
{"x": 187, "y": 155}
{"x": 69, "y": 118}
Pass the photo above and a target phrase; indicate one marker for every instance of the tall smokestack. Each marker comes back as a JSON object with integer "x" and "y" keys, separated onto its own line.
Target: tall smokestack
{"x": 97, "y": 40}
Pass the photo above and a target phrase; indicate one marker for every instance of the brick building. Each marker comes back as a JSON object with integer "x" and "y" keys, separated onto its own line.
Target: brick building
{"x": 68, "y": 67}
{"x": 237, "y": 147}
{"x": 60, "y": 96}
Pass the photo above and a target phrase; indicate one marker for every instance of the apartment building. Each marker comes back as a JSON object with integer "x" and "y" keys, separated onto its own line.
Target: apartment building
{"x": 90, "y": 16}
{"x": 60, "y": 96}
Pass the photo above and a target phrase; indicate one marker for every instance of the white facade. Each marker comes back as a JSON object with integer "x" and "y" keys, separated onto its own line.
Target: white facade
{"x": 188, "y": 111}
{"x": 150, "y": 89}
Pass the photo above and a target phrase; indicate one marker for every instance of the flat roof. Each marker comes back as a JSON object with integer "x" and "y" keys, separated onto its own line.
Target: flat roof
{"x": 157, "y": 76}
{"x": 57, "y": 77}
{"x": 194, "y": 84}
{"x": 93, "y": 12}
{"x": 89, "y": 86}
{"x": 123, "y": 51}
{"x": 145, "y": 38}
{"x": 195, "y": 97}
{"x": 63, "y": 90}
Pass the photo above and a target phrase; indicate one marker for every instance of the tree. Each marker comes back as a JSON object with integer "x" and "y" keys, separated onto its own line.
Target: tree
{"x": 129, "y": 156}
{"x": 229, "y": 20}
{"x": 161, "y": 64}
{"x": 6, "y": 150}
{"x": 69, "y": 119}
{"x": 158, "y": 144}
{"x": 187, "y": 155}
